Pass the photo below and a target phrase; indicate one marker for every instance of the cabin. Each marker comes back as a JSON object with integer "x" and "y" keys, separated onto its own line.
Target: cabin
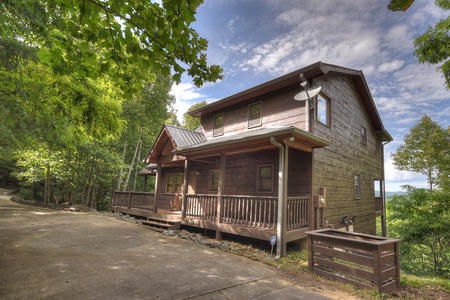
{"x": 300, "y": 152}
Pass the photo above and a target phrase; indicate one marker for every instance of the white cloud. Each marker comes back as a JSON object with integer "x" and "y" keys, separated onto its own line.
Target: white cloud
{"x": 395, "y": 178}
{"x": 391, "y": 66}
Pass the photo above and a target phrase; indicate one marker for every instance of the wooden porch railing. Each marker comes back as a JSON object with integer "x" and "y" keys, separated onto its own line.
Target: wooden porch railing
{"x": 129, "y": 200}
{"x": 252, "y": 211}
{"x": 297, "y": 212}
{"x": 203, "y": 207}
{"x": 257, "y": 212}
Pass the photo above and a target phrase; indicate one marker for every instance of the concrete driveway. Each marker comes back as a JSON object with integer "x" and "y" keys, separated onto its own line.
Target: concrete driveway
{"x": 48, "y": 254}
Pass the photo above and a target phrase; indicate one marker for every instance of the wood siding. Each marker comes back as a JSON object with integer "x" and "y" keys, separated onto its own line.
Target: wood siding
{"x": 277, "y": 110}
{"x": 241, "y": 173}
{"x": 335, "y": 165}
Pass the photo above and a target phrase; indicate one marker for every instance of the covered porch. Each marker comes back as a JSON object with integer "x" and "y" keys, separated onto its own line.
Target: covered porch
{"x": 249, "y": 216}
{"x": 256, "y": 184}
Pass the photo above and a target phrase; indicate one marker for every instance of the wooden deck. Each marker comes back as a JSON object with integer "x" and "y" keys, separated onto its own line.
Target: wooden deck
{"x": 248, "y": 216}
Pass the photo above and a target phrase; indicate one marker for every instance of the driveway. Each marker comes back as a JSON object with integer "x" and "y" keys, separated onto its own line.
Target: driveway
{"x": 48, "y": 254}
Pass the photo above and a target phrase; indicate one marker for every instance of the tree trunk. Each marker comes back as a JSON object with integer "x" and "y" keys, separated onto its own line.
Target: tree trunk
{"x": 119, "y": 180}
{"x": 90, "y": 180}
{"x": 47, "y": 185}
{"x": 125, "y": 187}
{"x": 137, "y": 166}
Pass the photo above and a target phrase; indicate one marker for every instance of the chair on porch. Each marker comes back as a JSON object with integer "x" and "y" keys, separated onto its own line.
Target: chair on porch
{"x": 176, "y": 203}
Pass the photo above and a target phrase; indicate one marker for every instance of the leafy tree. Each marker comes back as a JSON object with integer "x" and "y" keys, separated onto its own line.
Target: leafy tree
{"x": 190, "y": 122}
{"x": 425, "y": 151}
{"x": 433, "y": 46}
{"x": 421, "y": 218}
{"x": 109, "y": 38}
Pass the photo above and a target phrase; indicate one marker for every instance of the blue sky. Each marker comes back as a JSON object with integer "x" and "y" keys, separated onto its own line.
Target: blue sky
{"x": 256, "y": 41}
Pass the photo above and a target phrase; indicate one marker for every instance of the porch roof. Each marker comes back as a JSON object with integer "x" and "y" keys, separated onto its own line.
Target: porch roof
{"x": 254, "y": 140}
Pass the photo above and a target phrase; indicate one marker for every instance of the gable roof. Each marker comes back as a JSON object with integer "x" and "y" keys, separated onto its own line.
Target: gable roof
{"x": 311, "y": 71}
{"x": 171, "y": 138}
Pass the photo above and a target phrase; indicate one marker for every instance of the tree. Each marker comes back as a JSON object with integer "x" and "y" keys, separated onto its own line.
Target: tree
{"x": 433, "y": 46}
{"x": 190, "y": 122}
{"x": 425, "y": 150}
{"x": 95, "y": 38}
{"x": 421, "y": 218}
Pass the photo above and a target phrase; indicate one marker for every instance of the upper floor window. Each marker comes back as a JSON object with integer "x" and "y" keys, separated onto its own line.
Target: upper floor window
{"x": 265, "y": 178}
{"x": 357, "y": 185}
{"x": 363, "y": 135}
{"x": 254, "y": 115}
{"x": 173, "y": 183}
{"x": 323, "y": 110}
{"x": 218, "y": 125}
{"x": 214, "y": 180}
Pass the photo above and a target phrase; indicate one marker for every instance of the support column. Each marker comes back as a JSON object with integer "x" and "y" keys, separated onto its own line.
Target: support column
{"x": 157, "y": 182}
{"x": 220, "y": 191}
{"x": 184, "y": 188}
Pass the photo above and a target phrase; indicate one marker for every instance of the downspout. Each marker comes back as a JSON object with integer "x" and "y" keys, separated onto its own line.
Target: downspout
{"x": 383, "y": 223}
{"x": 281, "y": 252}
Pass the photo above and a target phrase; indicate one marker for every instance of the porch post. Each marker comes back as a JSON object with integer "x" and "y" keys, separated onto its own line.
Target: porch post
{"x": 220, "y": 190}
{"x": 145, "y": 183}
{"x": 157, "y": 181}
{"x": 184, "y": 189}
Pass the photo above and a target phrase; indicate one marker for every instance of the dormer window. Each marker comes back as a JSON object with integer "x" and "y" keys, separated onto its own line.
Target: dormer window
{"x": 218, "y": 125}
{"x": 254, "y": 115}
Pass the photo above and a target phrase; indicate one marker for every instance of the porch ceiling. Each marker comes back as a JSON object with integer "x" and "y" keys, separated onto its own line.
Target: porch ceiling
{"x": 254, "y": 141}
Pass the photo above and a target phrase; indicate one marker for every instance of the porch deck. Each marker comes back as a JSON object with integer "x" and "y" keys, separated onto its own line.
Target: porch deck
{"x": 249, "y": 216}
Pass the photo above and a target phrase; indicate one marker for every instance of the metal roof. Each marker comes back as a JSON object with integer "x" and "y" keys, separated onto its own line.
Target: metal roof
{"x": 311, "y": 139}
{"x": 184, "y": 137}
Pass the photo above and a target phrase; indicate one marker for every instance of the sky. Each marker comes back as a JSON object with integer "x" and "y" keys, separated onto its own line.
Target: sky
{"x": 257, "y": 41}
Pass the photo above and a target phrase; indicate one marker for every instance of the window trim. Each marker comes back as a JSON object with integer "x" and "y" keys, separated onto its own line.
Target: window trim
{"x": 357, "y": 186}
{"x": 210, "y": 180}
{"x": 218, "y": 131}
{"x": 259, "y": 120}
{"x": 173, "y": 183}
{"x": 328, "y": 109}
{"x": 363, "y": 135}
{"x": 258, "y": 167}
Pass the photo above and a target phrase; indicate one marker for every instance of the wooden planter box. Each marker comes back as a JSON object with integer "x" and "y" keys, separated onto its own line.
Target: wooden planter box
{"x": 363, "y": 260}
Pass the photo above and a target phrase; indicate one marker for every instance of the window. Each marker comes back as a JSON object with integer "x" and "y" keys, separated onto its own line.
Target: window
{"x": 214, "y": 180}
{"x": 357, "y": 185}
{"x": 265, "y": 178}
{"x": 363, "y": 135}
{"x": 322, "y": 111}
{"x": 218, "y": 125}
{"x": 378, "y": 188}
{"x": 254, "y": 115}
{"x": 173, "y": 183}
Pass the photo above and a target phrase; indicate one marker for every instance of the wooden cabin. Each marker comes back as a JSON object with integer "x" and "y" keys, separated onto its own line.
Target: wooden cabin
{"x": 263, "y": 164}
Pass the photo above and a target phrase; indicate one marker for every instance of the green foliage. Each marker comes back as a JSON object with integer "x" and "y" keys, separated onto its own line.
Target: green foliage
{"x": 192, "y": 123}
{"x": 426, "y": 151}
{"x": 117, "y": 40}
{"x": 421, "y": 219}
{"x": 433, "y": 47}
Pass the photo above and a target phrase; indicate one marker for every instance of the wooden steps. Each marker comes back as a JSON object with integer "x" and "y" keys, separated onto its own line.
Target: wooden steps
{"x": 161, "y": 224}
